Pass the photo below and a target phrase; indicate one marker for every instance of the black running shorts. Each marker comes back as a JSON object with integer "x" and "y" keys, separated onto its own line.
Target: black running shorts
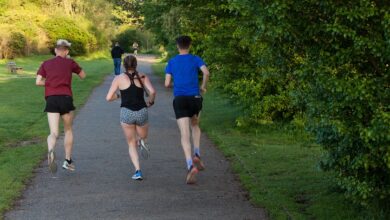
{"x": 187, "y": 106}
{"x": 62, "y": 104}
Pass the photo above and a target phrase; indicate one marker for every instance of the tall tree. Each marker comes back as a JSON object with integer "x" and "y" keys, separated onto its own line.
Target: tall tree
{"x": 127, "y": 12}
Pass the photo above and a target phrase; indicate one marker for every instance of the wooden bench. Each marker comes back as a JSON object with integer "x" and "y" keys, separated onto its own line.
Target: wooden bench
{"x": 13, "y": 68}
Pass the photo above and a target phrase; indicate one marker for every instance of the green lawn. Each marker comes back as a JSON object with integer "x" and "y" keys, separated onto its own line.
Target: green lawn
{"x": 277, "y": 166}
{"x": 23, "y": 125}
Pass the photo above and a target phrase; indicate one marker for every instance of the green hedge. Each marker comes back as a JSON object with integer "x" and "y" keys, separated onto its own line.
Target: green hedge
{"x": 65, "y": 28}
{"x": 12, "y": 45}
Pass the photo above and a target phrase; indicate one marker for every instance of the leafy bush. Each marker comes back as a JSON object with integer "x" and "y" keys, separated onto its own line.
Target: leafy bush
{"x": 348, "y": 94}
{"x": 64, "y": 28}
{"x": 17, "y": 44}
{"x": 13, "y": 45}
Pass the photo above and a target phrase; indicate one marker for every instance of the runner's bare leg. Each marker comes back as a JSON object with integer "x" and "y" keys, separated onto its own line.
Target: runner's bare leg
{"x": 195, "y": 130}
{"x": 68, "y": 140}
{"x": 131, "y": 138}
{"x": 142, "y": 131}
{"x": 54, "y": 120}
{"x": 184, "y": 127}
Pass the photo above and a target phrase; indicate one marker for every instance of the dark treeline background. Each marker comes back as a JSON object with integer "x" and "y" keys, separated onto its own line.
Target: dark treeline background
{"x": 320, "y": 64}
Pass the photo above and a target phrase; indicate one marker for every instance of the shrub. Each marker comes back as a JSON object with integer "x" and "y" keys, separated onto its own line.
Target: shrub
{"x": 347, "y": 94}
{"x": 64, "y": 28}
{"x": 13, "y": 45}
{"x": 17, "y": 43}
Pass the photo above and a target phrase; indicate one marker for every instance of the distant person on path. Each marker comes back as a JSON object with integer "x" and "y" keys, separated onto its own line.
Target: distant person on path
{"x": 134, "y": 112}
{"x": 135, "y": 48}
{"x": 56, "y": 76}
{"x": 116, "y": 54}
{"x": 187, "y": 103}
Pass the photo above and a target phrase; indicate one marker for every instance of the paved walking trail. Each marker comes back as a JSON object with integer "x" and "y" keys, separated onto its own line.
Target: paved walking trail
{"x": 101, "y": 187}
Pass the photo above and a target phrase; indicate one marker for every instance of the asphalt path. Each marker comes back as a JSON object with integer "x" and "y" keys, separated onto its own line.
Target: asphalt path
{"x": 102, "y": 188}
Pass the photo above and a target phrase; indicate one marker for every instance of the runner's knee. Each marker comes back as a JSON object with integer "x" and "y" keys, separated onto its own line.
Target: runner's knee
{"x": 53, "y": 135}
{"x": 131, "y": 139}
{"x": 194, "y": 121}
{"x": 132, "y": 142}
{"x": 67, "y": 129}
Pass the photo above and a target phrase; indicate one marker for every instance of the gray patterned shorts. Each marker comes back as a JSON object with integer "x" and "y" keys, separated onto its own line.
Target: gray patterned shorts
{"x": 130, "y": 117}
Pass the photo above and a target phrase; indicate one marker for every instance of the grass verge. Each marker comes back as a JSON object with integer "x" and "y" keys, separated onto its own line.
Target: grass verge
{"x": 277, "y": 166}
{"x": 23, "y": 124}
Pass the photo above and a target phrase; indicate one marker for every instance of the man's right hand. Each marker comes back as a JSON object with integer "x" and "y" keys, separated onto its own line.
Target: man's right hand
{"x": 203, "y": 90}
{"x": 82, "y": 74}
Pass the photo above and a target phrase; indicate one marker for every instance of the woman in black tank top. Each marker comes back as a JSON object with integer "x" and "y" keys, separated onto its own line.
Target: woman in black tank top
{"x": 133, "y": 97}
{"x": 134, "y": 114}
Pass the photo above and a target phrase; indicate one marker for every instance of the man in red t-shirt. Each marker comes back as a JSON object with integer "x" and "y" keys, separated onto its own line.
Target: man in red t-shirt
{"x": 56, "y": 76}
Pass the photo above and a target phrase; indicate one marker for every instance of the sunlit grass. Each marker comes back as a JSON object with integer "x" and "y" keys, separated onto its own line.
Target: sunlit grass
{"x": 30, "y": 66}
{"x": 22, "y": 119}
{"x": 276, "y": 165}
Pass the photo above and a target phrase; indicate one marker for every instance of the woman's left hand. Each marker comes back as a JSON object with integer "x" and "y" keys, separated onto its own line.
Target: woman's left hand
{"x": 149, "y": 103}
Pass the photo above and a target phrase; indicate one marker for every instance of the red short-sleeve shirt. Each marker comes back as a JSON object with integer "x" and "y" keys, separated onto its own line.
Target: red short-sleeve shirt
{"x": 58, "y": 74}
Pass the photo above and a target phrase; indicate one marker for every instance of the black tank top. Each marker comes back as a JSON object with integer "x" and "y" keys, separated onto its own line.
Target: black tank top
{"x": 133, "y": 97}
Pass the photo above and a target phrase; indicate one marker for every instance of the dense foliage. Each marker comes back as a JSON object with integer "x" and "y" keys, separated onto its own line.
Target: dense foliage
{"x": 128, "y": 18}
{"x": 127, "y": 12}
{"x": 324, "y": 62}
{"x": 63, "y": 28}
{"x": 38, "y": 23}
{"x": 128, "y": 35}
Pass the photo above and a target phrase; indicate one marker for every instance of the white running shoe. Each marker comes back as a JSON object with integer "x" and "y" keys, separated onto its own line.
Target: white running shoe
{"x": 68, "y": 166}
{"x": 144, "y": 148}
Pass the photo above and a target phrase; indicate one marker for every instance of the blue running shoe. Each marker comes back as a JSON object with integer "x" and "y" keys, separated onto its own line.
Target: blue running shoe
{"x": 137, "y": 175}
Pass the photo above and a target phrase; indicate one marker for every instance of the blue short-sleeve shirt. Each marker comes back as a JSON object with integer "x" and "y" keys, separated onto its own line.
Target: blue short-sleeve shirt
{"x": 184, "y": 70}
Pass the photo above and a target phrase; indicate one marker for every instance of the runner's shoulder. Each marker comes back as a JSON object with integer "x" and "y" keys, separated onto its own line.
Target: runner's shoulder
{"x": 120, "y": 76}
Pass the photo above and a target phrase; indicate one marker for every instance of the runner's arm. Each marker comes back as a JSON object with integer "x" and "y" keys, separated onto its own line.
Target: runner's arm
{"x": 40, "y": 81}
{"x": 168, "y": 79}
{"x": 151, "y": 91}
{"x": 206, "y": 75}
{"x": 82, "y": 74}
{"x": 112, "y": 95}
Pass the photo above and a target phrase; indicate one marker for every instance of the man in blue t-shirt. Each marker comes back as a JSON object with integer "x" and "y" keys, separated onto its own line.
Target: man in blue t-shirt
{"x": 187, "y": 103}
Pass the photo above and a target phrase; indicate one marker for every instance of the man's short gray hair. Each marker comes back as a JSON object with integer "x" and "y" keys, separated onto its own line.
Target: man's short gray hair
{"x": 63, "y": 43}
